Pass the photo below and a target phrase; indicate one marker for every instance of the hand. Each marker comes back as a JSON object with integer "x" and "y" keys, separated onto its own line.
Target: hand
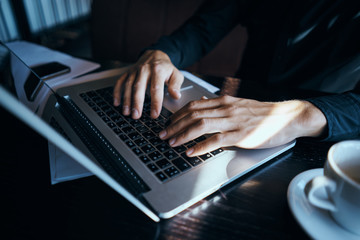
{"x": 153, "y": 68}
{"x": 243, "y": 123}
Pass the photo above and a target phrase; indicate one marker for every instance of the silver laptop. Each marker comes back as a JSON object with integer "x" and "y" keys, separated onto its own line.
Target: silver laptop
{"x": 127, "y": 154}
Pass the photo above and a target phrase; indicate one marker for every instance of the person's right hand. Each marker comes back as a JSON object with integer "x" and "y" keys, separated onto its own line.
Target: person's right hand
{"x": 153, "y": 69}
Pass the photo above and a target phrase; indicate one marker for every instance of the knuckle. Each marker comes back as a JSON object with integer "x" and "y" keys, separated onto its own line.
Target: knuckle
{"x": 157, "y": 68}
{"x": 203, "y": 123}
{"x": 226, "y": 98}
{"x": 194, "y": 115}
{"x": 143, "y": 68}
{"x": 218, "y": 137}
{"x": 192, "y": 105}
{"x": 155, "y": 87}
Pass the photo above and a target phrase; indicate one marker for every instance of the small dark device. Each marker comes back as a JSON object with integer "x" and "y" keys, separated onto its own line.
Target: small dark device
{"x": 45, "y": 72}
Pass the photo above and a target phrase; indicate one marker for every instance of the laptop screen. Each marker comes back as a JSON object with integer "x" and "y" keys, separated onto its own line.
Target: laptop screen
{"x": 24, "y": 93}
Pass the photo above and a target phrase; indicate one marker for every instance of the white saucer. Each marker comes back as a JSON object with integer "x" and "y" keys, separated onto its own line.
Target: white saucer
{"x": 316, "y": 222}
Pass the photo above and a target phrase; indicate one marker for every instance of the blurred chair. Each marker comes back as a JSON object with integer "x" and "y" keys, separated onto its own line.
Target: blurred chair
{"x": 120, "y": 29}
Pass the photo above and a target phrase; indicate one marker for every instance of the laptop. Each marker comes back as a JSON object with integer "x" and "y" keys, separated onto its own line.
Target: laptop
{"x": 126, "y": 154}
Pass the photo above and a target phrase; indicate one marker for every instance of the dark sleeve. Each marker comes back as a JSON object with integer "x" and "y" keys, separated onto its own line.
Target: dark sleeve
{"x": 198, "y": 35}
{"x": 342, "y": 112}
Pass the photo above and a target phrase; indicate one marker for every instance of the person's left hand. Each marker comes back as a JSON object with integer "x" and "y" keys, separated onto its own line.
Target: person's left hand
{"x": 243, "y": 123}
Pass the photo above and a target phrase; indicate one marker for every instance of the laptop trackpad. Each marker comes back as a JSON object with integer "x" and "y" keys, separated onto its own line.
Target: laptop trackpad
{"x": 189, "y": 92}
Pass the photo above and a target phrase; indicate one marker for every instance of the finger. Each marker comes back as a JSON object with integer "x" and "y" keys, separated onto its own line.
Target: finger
{"x": 157, "y": 94}
{"x": 195, "y": 130}
{"x": 193, "y": 106}
{"x": 128, "y": 93}
{"x": 175, "y": 83}
{"x": 212, "y": 143}
{"x": 217, "y": 114}
{"x": 139, "y": 89}
{"x": 206, "y": 112}
{"x": 117, "y": 89}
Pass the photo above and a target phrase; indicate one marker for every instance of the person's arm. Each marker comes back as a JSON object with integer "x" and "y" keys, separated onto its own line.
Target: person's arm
{"x": 201, "y": 33}
{"x": 158, "y": 65}
{"x": 342, "y": 112}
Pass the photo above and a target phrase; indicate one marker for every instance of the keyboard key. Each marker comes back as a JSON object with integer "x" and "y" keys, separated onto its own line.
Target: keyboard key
{"x": 91, "y": 94}
{"x": 144, "y": 159}
{"x": 163, "y": 147}
{"x": 217, "y": 151}
{"x": 128, "y": 130}
{"x": 151, "y": 124}
{"x": 137, "y": 151}
{"x": 170, "y": 154}
{"x": 141, "y": 142}
{"x": 122, "y": 124}
{"x": 165, "y": 113}
{"x": 155, "y": 141}
{"x": 152, "y": 167}
{"x": 135, "y": 123}
{"x": 123, "y": 137}
{"x": 161, "y": 176}
{"x": 111, "y": 125}
{"x": 199, "y": 139}
{"x": 163, "y": 163}
{"x": 156, "y": 129}
{"x": 154, "y": 156}
{"x": 130, "y": 144}
{"x": 96, "y": 109}
{"x": 148, "y": 135}
{"x": 116, "y": 130}
{"x": 163, "y": 123}
{"x": 181, "y": 164}
{"x": 180, "y": 148}
{"x": 106, "y": 108}
{"x": 194, "y": 161}
{"x": 112, "y": 114}
{"x": 101, "y": 114}
{"x": 190, "y": 144}
{"x": 171, "y": 171}
{"x": 134, "y": 135}
{"x": 148, "y": 148}
{"x": 142, "y": 129}
{"x": 206, "y": 156}
{"x": 105, "y": 119}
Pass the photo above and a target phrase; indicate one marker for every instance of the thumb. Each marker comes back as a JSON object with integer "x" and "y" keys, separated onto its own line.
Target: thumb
{"x": 175, "y": 83}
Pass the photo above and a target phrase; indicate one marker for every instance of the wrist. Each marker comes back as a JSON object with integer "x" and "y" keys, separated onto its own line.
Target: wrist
{"x": 156, "y": 54}
{"x": 312, "y": 121}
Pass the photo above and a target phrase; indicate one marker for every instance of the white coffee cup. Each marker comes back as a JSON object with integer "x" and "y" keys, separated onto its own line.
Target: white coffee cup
{"x": 341, "y": 181}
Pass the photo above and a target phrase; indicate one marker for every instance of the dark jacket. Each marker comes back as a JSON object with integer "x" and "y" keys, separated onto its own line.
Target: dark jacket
{"x": 312, "y": 44}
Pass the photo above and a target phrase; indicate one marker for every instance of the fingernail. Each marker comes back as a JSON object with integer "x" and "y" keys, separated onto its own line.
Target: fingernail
{"x": 162, "y": 134}
{"x": 126, "y": 110}
{"x": 116, "y": 102}
{"x": 135, "y": 113}
{"x": 172, "y": 141}
{"x": 153, "y": 113}
{"x": 189, "y": 151}
{"x": 178, "y": 94}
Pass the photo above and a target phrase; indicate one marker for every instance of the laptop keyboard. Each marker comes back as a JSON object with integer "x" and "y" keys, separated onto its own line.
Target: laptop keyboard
{"x": 141, "y": 136}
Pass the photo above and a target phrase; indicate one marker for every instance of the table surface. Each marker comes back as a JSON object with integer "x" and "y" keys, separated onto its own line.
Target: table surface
{"x": 253, "y": 207}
